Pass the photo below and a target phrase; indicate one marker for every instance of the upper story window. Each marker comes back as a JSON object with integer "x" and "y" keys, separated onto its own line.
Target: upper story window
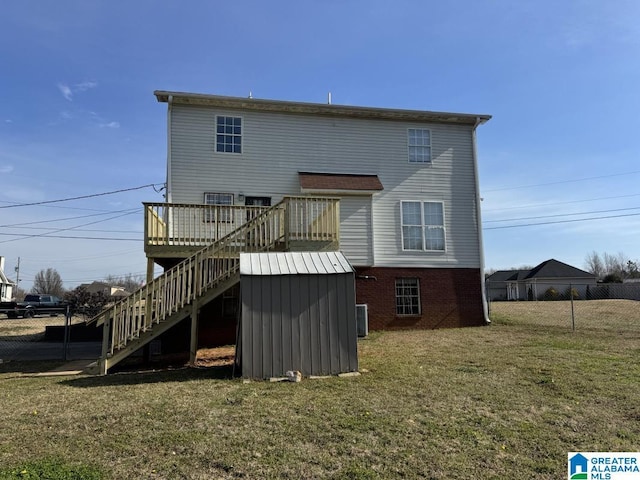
{"x": 422, "y": 226}
{"x": 228, "y": 134}
{"x": 419, "y": 141}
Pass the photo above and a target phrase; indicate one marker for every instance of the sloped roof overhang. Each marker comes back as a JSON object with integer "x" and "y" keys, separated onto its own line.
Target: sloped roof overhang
{"x": 329, "y": 110}
{"x": 354, "y": 184}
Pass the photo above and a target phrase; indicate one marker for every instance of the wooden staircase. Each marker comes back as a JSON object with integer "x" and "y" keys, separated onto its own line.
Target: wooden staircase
{"x": 296, "y": 223}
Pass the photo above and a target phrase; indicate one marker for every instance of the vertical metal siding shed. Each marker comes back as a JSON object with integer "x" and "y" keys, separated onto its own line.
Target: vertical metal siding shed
{"x": 297, "y": 313}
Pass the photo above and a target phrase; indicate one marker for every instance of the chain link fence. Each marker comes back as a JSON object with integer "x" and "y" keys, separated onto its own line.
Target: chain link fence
{"x": 56, "y": 338}
{"x": 612, "y": 306}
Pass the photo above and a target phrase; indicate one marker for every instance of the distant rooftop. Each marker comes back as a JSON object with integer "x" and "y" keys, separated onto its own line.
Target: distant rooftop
{"x": 551, "y": 268}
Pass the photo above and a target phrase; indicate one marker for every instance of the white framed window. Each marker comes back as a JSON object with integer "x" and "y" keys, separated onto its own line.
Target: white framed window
{"x": 407, "y": 296}
{"x": 422, "y": 225}
{"x": 419, "y": 143}
{"x": 218, "y": 213}
{"x": 228, "y": 134}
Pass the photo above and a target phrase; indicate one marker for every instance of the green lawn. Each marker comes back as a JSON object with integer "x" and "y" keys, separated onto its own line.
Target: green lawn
{"x": 504, "y": 401}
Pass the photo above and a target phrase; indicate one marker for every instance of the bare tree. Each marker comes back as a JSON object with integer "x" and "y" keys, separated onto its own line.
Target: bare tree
{"x": 632, "y": 269}
{"x": 524, "y": 267}
{"x": 594, "y": 264}
{"x": 614, "y": 264}
{"x": 18, "y": 294}
{"x": 611, "y": 266}
{"x": 48, "y": 281}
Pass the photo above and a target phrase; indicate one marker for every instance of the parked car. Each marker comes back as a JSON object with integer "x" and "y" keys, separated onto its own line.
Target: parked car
{"x": 34, "y": 304}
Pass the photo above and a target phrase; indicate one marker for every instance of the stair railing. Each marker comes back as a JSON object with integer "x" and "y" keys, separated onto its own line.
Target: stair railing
{"x": 191, "y": 278}
{"x": 294, "y": 218}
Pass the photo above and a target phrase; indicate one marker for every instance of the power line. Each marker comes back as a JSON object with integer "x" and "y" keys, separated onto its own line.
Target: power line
{"x": 64, "y": 208}
{"x": 563, "y": 181}
{"x": 87, "y": 230}
{"x": 132, "y": 210}
{"x": 563, "y": 221}
{"x": 81, "y": 197}
{"x": 558, "y": 203}
{"x": 560, "y": 215}
{"x": 68, "y": 236}
{"x": 65, "y": 229}
{"x": 117, "y": 253}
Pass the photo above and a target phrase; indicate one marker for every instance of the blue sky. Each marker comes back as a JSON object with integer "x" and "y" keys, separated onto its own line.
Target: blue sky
{"x": 78, "y": 115}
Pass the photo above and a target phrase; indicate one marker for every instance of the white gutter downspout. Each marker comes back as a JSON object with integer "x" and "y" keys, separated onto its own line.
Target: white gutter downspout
{"x": 485, "y": 307}
{"x": 169, "y": 182}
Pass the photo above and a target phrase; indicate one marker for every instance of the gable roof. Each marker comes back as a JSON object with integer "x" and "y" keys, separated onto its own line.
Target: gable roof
{"x": 322, "y": 109}
{"x": 548, "y": 269}
{"x": 508, "y": 275}
{"x": 553, "y": 269}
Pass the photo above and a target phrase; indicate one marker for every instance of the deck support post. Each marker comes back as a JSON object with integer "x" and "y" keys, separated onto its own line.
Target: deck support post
{"x": 193, "y": 347}
{"x": 150, "y": 269}
{"x": 287, "y": 225}
{"x": 106, "y": 333}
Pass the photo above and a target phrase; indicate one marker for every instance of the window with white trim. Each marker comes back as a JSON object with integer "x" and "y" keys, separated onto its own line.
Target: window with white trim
{"x": 218, "y": 213}
{"x": 422, "y": 226}
{"x": 228, "y": 134}
{"x": 419, "y": 143}
{"x": 407, "y": 296}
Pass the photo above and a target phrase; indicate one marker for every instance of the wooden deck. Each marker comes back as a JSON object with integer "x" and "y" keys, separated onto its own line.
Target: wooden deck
{"x": 172, "y": 231}
{"x": 180, "y": 230}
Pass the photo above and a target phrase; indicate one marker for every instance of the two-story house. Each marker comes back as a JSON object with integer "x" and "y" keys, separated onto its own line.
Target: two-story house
{"x": 6, "y": 285}
{"x": 395, "y": 190}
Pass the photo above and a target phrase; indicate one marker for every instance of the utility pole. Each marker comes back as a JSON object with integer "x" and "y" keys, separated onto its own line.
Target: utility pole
{"x": 17, "y": 276}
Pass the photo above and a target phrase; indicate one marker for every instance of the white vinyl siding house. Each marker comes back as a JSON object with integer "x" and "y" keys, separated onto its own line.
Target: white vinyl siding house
{"x": 356, "y": 229}
{"x": 276, "y": 146}
{"x": 6, "y": 286}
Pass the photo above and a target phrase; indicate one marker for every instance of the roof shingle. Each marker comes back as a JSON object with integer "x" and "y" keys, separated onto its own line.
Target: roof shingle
{"x": 339, "y": 181}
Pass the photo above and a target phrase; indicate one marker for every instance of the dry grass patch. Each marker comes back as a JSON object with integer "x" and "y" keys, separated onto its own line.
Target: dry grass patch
{"x": 611, "y": 315}
{"x": 30, "y": 327}
{"x": 509, "y": 400}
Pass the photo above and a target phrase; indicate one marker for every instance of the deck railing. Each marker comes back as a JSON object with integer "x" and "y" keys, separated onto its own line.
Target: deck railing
{"x": 176, "y": 224}
{"x": 173, "y": 224}
{"x": 270, "y": 228}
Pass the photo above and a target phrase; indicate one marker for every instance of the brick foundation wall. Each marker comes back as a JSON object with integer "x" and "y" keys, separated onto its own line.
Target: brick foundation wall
{"x": 449, "y": 297}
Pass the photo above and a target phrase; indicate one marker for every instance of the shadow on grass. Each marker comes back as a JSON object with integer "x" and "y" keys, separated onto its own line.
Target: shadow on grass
{"x": 29, "y": 366}
{"x": 137, "y": 377}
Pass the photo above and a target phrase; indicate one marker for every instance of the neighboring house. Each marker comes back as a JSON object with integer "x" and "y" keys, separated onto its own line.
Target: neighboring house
{"x": 395, "y": 190}
{"x": 6, "y": 285}
{"x": 532, "y": 284}
{"x": 105, "y": 289}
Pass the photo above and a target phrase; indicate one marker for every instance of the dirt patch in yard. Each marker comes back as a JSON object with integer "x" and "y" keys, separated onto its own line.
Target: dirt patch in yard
{"x": 216, "y": 357}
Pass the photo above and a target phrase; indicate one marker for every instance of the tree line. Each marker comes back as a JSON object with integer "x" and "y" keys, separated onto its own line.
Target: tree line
{"x": 611, "y": 268}
{"x": 49, "y": 281}
{"x": 607, "y": 267}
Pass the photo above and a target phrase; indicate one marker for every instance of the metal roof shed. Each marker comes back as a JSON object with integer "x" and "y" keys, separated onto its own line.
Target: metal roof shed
{"x": 298, "y": 313}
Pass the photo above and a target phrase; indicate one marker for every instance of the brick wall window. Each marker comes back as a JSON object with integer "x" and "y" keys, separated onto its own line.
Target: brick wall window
{"x": 407, "y": 296}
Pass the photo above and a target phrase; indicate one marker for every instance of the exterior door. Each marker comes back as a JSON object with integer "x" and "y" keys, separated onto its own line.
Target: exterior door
{"x": 257, "y": 237}
{"x": 258, "y": 201}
